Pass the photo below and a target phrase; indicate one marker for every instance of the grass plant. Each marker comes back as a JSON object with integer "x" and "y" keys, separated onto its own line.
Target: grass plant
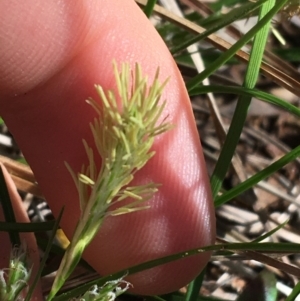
{"x": 258, "y": 62}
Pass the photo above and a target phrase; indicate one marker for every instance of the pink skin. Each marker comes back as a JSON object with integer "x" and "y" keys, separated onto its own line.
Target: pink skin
{"x": 51, "y": 55}
{"x": 27, "y": 239}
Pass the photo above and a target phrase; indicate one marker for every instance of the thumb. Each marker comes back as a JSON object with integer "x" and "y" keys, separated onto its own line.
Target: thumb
{"x": 51, "y": 55}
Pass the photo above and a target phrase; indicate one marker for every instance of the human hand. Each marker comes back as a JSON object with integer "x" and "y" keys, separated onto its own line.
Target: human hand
{"x": 51, "y": 55}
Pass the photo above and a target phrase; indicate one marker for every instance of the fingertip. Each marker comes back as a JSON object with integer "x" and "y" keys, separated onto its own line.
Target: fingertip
{"x": 50, "y": 121}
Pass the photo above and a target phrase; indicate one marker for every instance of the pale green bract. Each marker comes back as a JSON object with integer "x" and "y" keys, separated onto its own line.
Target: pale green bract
{"x": 108, "y": 292}
{"x": 14, "y": 280}
{"x": 124, "y": 133}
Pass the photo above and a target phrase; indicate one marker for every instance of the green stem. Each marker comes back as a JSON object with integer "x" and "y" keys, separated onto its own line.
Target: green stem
{"x": 86, "y": 228}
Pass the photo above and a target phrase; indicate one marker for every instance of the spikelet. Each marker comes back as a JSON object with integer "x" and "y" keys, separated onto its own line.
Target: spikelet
{"x": 123, "y": 138}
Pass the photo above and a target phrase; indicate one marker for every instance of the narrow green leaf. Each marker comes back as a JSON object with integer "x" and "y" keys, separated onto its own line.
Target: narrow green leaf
{"x": 238, "y": 45}
{"x": 226, "y": 19}
{"x": 266, "y": 97}
{"x": 260, "y": 247}
{"x": 269, "y": 233}
{"x": 295, "y": 293}
{"x": 240, "y": 113}
{"x": 149, "y": 7}
{"x": 194, "y": 287}
{"x": 239, "y": 189}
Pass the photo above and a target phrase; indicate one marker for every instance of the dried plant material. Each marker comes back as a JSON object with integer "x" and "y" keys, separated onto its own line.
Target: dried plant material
{"x": 291, "y": 9}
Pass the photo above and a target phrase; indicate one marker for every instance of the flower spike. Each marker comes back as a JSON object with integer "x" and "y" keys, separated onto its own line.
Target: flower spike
{"x": 124, "y": 134}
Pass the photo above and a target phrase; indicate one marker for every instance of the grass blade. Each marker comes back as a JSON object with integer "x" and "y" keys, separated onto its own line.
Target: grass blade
{"x": 149, "y": 7}
{"x": 266, "y": 97}
{"x": 295, "y": 293}
{"x": 240, "y": 113}
{"x": 260, "y": 247}
{"x": 235, "y": 14}
{"x": 239, "y": 189}
{"x": 194, "y": 287}
{"x": 239, "y": 44}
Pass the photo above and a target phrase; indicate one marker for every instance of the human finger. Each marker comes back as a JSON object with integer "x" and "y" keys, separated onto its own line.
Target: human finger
{"x": 59, "y": 51}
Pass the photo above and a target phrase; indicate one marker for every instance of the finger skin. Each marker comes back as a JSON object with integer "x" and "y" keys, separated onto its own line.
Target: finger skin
{"x": 27, "y": 239}
{"x": 54, "y": 52}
